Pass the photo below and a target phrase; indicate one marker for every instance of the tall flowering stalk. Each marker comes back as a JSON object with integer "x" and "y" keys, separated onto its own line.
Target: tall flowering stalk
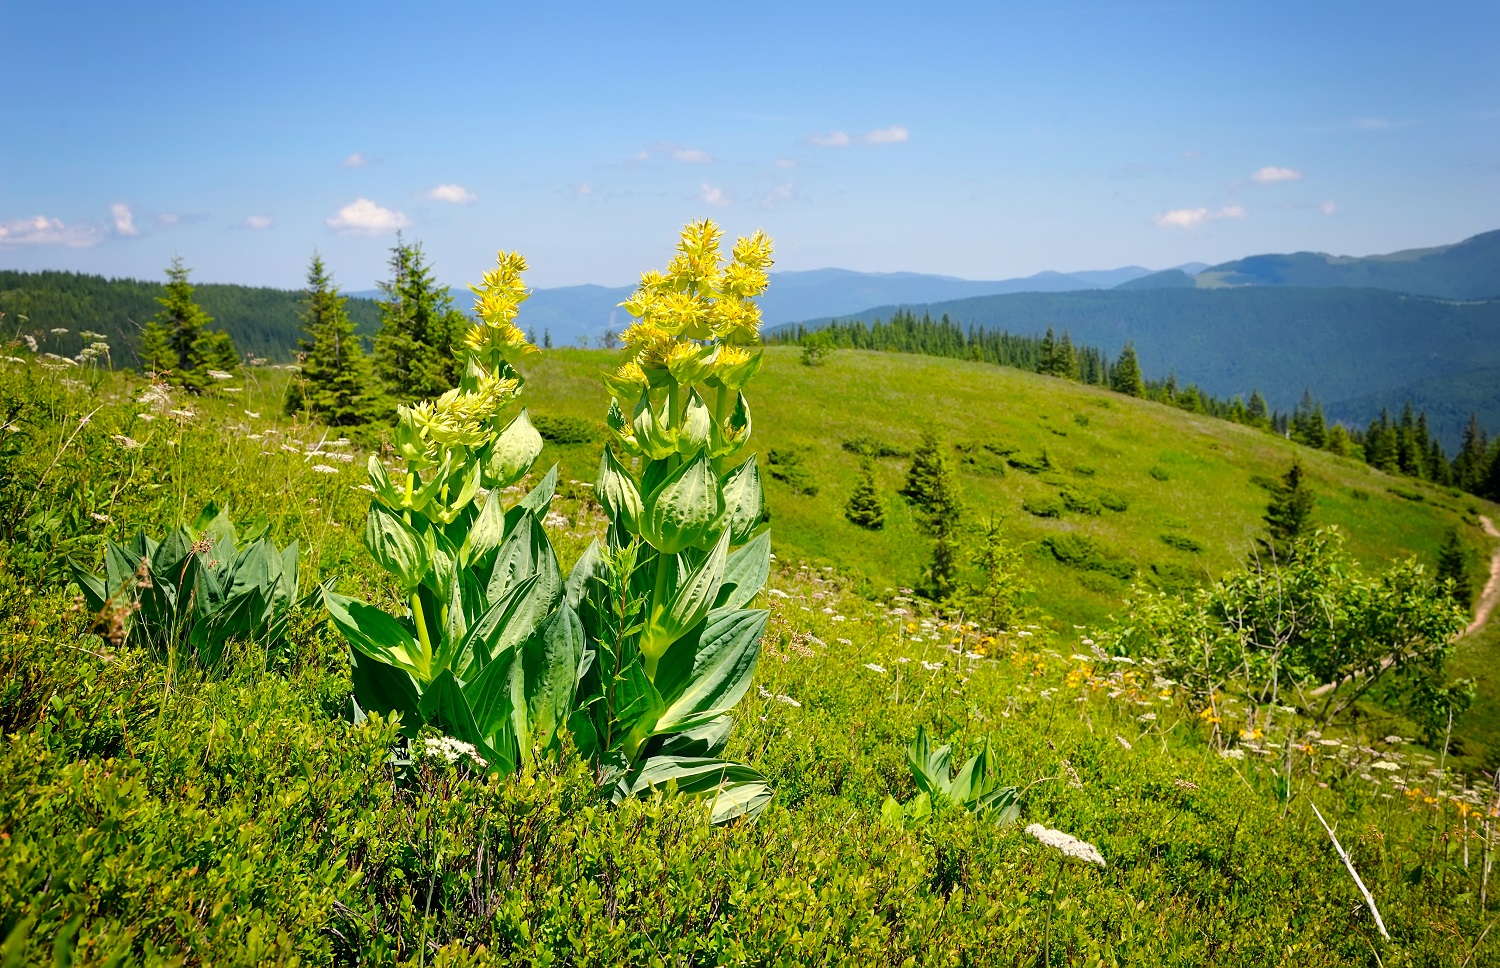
{"x": 662, "y": 598}
{"x": 645, "y": 648}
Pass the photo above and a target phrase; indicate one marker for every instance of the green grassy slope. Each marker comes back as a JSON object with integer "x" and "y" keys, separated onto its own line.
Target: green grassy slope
{"x": 1098, "y": 443}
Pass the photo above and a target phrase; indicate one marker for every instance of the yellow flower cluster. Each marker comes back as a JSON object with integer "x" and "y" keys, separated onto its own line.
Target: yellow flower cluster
{"x": 498, "y": 297}
{"x": 698, "y": 298}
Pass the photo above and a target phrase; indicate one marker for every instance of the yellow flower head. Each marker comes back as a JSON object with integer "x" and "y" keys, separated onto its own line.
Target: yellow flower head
{"x": 498, "y": 298}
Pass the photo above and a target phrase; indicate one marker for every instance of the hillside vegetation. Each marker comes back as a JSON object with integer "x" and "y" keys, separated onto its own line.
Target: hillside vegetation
{"x": 236, "y": 815}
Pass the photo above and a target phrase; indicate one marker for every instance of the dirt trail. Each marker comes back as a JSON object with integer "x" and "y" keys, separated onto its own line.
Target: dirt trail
{"x": 1491, "y": 594}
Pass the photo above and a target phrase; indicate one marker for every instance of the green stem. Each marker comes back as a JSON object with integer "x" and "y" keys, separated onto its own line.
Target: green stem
{"x": 660, "y": 592}
{"x": 421, "y": 620}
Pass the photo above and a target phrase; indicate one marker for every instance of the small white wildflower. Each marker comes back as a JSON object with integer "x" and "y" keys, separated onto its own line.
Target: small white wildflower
{"x": 1024, "y": 634}
{"x": 325, "y": 469}
{"x": 789, "y": 701}
{"x": 1124, "y": 742}
{"x": 1147, "y": 717}
{"x": 1073, "y": 849}
{"x": 931, "y": 666}
{"x": 252, "y": 413}
{"x": 1329, "y": 742}
{"x": 30, "y": 341}
{"x": 1393, "y": 740}
{"x": 778, "y": 593}
{"x": 875, "y": 667}
{"x": 973, "y": 655}
{"x": 1125, "y": 659}
{"x": 101, "y": 518}
{"x": 59, "y": 330}
{"x": 762, "y": 691}
{"x": 451, "y": 750}
{"x": 148, "y": 417}
{"x": 1385, "y": 765}
{"x": 125, "y": 441}
{"x": 843, "y": 642}
{"x": 1086, "y": 641}
{"x": 1234, "y": 754}
{"x": 1081, "y": 658}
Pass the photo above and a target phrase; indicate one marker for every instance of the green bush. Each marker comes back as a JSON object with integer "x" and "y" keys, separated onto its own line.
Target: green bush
{"x": 1081, "y": 552}
{"x": 788, "y": 467}
{"x": 1031, "y": 465}
{"x": 566, "y": 430}
{"x": 1042, "y": 505}
{"x": 1182, "y": 543}
{"x": 1160, "y": 473}
{"x": 1082, "y": 502}
{"x": 870, "y": 447}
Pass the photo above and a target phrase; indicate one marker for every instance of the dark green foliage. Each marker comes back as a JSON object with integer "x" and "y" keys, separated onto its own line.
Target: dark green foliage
{"x": 1472, "y": 461}
{"x": 1183, "y": 543}
{"x": 565, "y": 430}
{"x": 1031, "y": 465}
{"x": 1057, "y": 357}
{"x": 870, "y": 447}
{"x": 1126, "y": 375}
{"x": 1308, "y": 426}
{"x": 1289, "y": 514}
{"x": 933, "y": 494}
{"x": 980, "y": 459}
{"x": 865, "y": 508}
{"x": 1113, "y": 502}
{"x": 1042, "y": 505}
{"x": 996, "y": 599}
{"x": 1160, "y": 473}
{"x": 1173, "y": 576}
{"x": 335, "y": 383}
{"x": 177, "y": 341}
{"x": 789, "y": 467}
{"x": 415, "y": 351}
{"x": 1453, "y": 566}
{"x": 186, "y": 596}
{"x": 1082, "y": 502}
{"x": 815, "y": 347}
{"x": 1079, "y": 551}
{"x": 262, "y": 322}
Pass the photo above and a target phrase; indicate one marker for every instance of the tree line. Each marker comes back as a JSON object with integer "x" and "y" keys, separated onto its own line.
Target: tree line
{"x": 1398, "y": 446}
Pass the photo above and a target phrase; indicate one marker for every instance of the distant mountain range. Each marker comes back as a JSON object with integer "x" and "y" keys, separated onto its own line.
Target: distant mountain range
{"x": 1465, "y": 270}
{"x": 584, "y": 313}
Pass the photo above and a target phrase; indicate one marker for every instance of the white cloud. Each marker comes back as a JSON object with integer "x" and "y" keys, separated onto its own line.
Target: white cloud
{"x": 692, "y": 156}
{"x": 583, "y": 191}
{"x": 1188, "y": 218}
{"x": 714, "y": 195}
{"x": 124, "y": 220}
{"x": 785, "y": 163}
{"x": 833, "y": 139}
{"x": 356, "y": 160}
{"x": 40, "y": 230}
{"x": 894, "y": 135}
{"x": 365, "y": 217}
{"x": 169, "y": 220}
{"x": 1270, "y": 175}
{"x": 783, "y": 192}
{"x": 453, "y": 194}
{"x": 1328, "y": 208}
{"x": 258, "y": 221}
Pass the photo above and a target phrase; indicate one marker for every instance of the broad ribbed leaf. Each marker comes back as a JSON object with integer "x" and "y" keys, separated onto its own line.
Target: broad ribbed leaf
{"x": 510, "y": 620}
{"x": 92, "y": 587}
{"x": 376, "y": 634}
{"x": 386, "y": 689}
{"x": 732, "y": 789}
{"x": 510, "y": 457}
{"x": 526, "y": 551}
{"x": 709, "y": 673}
{"x": 491, "y": 699}
{"x": 706, "y": 740}
{"x": 486, "y": 533}
{"x": 691, "y": 598}
{"x": 744, "y": 500}
{"x": 539, "y": 499}
{"x": 548, "y": 674}
{"x": 385, "y": 491}
{"x": 617, "y": 491}
{"x": 745, "y": 572}
{"x": 395, "y": 546}
{"x": 685, "y": 509}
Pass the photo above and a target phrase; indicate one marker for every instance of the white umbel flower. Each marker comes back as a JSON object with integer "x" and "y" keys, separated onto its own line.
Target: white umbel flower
{"x": 451, "y": 750}
{"x": 1069, "y": 846}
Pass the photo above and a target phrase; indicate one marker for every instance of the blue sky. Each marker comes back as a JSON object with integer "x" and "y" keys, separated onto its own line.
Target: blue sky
{"x": 977, "y": 140}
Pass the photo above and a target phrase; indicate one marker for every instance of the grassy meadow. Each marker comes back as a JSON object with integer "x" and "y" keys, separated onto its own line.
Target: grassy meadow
{"x": 160, "y": 815}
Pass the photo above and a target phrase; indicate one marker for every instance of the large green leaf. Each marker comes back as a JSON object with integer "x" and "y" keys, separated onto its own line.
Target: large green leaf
{"x": 510, "y": 457}
{"x": 685, "y": 509}
{"x": 710, "y": 739}
{"x": 617, "y": 491}
{"x": 395, "y": 546}
{"x": 526, "y": 552}
{"x": 637, "y": 707}
{"x": 377, "y": 635}
{"x": 538, "y": 500}
{"x": 732, "y": 789}
{"x": 929, "y": 767}
{"x": 548, "y": 678}
{"x": 744, "y": 500}
{"x": 386, "y": 689}
{"x": 679, "y": 605}
{"x": 745, "y": 572}
{"x": 92, "y": 587}
{"x": 485, "y": 534}
{"x": 707, "y": 674}
{"x": 445, "y": 706}
{"x": 508, "y": 621}
{"x": 491, "y": 700}
{"x": 385, "y": 491}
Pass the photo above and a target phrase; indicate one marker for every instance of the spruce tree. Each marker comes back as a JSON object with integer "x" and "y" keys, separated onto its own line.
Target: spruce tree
{"x": 1453, "y": 565}
{"x": 1470, "y": 464}
{"x": 335, "y": 384}
{"x": 1257, "y": 414}
{"x": 1288, "y": 515}
{"x": 1489, "y": 486}
{"x": 177, "y": 340}
{"x": 996, "y": 602}
{"x": 419, "y": 328}
{"x": 1125, "y": 377}
{"x": 1336, "y": 441}
{"x": 1067, "y": 359}
{"x": 1047, "y": 354}
{"x": 933, "y": 493}
{"x": 865, "y": 508}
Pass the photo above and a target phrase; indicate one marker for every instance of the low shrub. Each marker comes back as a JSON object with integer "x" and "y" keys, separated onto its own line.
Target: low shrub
{"x": 1182, "y": 543}
{"x": 1082, "y": 502}
{"x": 1031, "y": 465}
{"x": 788, "y": 467}
{"x": 1082, "y": 552}
{"x": 566, "y": 430}
{"x": 1042, "y": 505}
{"x": 870, "y": 447}
{"x": 1160, "y": 473}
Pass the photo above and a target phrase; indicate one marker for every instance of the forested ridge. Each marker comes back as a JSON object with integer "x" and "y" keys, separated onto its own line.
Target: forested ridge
{"x": 263, "y": 321}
